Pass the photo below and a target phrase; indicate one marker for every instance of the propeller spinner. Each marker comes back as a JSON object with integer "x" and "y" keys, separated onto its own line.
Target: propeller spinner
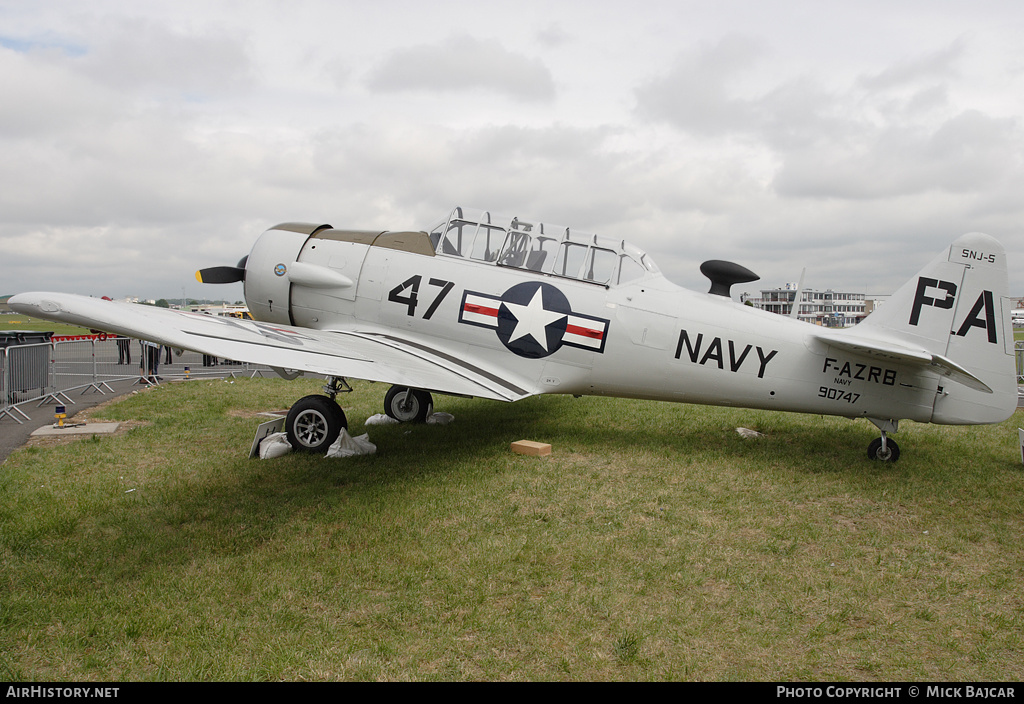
{"x": 222, "y": 274}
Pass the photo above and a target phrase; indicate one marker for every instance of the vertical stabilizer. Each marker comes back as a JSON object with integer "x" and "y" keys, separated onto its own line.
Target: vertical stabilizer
{"x": 957, "y": 307}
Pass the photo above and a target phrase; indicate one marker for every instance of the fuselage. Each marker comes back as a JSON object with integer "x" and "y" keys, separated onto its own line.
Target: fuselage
{"x": 645, "y": 338}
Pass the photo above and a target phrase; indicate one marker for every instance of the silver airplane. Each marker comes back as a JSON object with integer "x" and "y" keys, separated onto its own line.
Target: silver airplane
{"x": 503, "y": 308}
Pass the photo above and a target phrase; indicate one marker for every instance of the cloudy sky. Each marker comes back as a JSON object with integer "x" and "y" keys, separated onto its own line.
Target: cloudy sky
{"x": 140, "y": 141}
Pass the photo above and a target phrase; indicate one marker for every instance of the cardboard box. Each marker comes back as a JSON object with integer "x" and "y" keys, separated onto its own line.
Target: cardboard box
{"x": 534, "y": 449}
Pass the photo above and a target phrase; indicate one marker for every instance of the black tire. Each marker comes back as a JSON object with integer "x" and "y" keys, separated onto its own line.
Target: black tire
{"x": 314, "y": 423}
{"x": 875, "y": 450}
{"x": 420, "y": 405}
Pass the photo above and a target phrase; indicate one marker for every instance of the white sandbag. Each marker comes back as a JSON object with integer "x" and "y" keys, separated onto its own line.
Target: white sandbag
{"x": 748, "y": 433}
{"x": 440, "y": 418}
{"x": 348, "y": 446}
{"x": 381, "y": 419}
{"x": 274, "y": 445}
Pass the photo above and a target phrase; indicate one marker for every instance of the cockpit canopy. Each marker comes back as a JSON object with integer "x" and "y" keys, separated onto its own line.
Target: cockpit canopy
{"x": 547, "y": 249}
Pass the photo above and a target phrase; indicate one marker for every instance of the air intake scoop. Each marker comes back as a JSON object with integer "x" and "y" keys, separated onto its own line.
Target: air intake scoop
{"x": 724, "y": 274}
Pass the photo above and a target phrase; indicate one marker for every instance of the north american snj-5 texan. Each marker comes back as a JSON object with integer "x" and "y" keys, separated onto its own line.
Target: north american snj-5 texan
{"x": 504, "y": 308}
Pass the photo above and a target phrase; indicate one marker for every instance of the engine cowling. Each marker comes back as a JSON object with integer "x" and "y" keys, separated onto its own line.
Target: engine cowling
{"x": 272, "y": 264}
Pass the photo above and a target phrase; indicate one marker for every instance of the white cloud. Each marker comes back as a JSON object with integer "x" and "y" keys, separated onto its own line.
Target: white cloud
{"x": 43, "y": 98}
{"x": 695, "y": 94}
{"x": 464, "y": 63}
{"x": 935, "y": 66}
{"x": 967, "y": 153}
{"x": 141, "y": 55}
{"x": 142, "y": 141}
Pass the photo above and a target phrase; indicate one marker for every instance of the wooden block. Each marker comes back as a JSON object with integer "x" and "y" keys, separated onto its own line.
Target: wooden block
{"x": 528, "y": 447}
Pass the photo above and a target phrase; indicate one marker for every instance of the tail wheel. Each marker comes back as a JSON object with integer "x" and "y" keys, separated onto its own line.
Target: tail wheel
{"x": 314, "y": 423}
{"x": 891, "y": 453}
{"x": 408, "y": 405}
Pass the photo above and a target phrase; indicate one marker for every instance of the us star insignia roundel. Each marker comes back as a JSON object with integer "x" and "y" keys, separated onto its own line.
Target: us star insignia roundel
{"x": 533, "y": 320}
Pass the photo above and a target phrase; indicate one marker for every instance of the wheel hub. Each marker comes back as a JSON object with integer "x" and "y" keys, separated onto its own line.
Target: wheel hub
{"x": 310, "y": 428}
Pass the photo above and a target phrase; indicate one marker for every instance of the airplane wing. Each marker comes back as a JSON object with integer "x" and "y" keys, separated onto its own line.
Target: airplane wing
{"x": 367, "y": 352}
{"x": 903, "y": 354}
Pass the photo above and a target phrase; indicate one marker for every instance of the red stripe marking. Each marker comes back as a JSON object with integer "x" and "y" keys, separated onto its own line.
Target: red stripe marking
{"x": 480, "y": 309}
{"x": 585, "y": 332}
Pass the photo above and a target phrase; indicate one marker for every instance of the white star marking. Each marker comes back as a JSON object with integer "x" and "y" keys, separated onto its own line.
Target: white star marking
{"x": 533, "y": 320}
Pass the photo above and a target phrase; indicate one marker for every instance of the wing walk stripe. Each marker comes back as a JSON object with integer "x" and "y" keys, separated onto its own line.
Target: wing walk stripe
{"x": 370, "y": 337}
{"x": 392, "y": 342}
{"x": 453, "y": 360}
{"x": 276, "y": 347}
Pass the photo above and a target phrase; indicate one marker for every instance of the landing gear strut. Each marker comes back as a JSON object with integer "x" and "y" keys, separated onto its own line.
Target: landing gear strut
{"x": 884, "y": 449}
{"x": 408, "y": 405}
{"x": 314, "y": 422}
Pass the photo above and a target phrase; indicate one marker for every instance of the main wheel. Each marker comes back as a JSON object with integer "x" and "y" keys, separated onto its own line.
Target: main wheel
{"x": 414, "y": 410}
{"x": 314, "y": 423}
{"x": 891, "y": 454}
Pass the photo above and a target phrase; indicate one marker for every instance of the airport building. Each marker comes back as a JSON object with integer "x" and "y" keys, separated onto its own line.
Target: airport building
{"x": 828, "y": 308}
{"x": 222, "y": 309}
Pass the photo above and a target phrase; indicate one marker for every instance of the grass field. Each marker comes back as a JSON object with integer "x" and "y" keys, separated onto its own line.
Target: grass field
{"x": 23, "y": 322}
{"x": 655, "y": 543}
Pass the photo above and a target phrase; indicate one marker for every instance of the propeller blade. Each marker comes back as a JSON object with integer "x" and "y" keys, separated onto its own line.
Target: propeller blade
{"x": 220, "y": 275}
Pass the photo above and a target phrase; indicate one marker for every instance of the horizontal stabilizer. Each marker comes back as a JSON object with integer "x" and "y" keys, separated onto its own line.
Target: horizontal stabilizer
{"x": 904, "y": 355}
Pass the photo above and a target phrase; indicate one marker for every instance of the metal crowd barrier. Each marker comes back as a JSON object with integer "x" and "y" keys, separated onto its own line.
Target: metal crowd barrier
{"x": 55, "y": 371}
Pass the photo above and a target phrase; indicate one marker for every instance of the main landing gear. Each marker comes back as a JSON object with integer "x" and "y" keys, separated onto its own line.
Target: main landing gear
{"x": 408, "y": 405}
{"x": 314, "y": 422}
{"x": 884, "y": 449}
